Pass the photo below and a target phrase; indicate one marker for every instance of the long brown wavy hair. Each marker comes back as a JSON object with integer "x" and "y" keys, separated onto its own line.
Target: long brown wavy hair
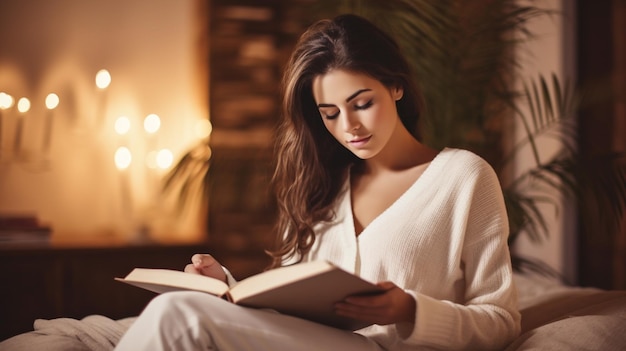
{"x": 311, "y": 166}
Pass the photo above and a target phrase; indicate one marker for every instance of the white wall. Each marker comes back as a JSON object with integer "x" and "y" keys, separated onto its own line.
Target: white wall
{"x": 552, "y": 51}
{"x": 149, "y": 47}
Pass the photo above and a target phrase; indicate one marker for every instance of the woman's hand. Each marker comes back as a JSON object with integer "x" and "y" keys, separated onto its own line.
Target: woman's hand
{"x": 392, "y": 306}
{"x": 205, "y": 264}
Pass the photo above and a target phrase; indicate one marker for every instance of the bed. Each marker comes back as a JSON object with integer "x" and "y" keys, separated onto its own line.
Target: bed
{"x": 554, "y": 317}
{"x": 559, "y": 317}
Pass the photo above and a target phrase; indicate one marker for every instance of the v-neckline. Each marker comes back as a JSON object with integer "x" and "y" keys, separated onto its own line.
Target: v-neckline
{"x": 348, "y": 198}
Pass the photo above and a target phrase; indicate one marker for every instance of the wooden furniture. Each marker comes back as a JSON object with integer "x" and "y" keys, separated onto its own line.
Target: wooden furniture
{"x": 52, "y": 282}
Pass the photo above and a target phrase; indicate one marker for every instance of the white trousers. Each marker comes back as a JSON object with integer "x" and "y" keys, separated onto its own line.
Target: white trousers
{"x": 199, "y": 321}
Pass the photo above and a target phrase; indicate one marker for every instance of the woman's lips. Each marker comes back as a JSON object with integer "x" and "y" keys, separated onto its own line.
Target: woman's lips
{"x": 360, "y": 141}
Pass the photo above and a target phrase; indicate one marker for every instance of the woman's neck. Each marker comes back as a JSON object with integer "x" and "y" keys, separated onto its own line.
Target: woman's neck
{"x": 401, "y": 153}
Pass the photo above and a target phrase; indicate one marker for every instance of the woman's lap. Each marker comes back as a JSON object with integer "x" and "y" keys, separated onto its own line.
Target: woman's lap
{"x": 192, "y": 320}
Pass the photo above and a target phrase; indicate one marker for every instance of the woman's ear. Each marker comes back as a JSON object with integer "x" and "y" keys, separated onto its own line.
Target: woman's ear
{"x": 397, "y": 93}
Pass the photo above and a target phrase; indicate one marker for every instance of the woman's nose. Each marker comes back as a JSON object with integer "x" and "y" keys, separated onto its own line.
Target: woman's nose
{"x": 350, "y": 124}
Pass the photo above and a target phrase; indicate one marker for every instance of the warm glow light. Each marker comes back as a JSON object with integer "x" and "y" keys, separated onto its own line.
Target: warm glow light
{"x": 6, "y": 101}
{"x": 103, "y": 79}
{"x": 23, "y": 105}
{"x": 203, "y": 128}
{"x": 52, "y": 101}
{"x": 164, "y": 159}
{"x": 151, "y": 123}
{"x": 123, "y": 158}
{"x": 151, "y": 159}
{"x": 122, "y": 125}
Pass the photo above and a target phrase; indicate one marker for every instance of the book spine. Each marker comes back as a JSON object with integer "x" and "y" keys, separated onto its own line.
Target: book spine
{"x": 228, "y": 297}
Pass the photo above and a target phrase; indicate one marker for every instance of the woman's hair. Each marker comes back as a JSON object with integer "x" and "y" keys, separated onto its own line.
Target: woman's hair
{"x": 311, "y": 166}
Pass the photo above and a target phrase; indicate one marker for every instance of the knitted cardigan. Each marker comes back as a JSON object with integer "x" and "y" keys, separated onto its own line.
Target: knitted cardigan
{"x": 445, "y": 242}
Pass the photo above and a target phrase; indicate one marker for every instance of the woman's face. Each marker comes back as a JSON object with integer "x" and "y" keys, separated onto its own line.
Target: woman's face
{"x": 358, "y": 110}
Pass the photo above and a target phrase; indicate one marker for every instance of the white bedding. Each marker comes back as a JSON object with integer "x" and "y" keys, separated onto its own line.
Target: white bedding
{"x": 554, "y": 317}
{"x": 92, "y": 333}
{"x": 558, "y": 317}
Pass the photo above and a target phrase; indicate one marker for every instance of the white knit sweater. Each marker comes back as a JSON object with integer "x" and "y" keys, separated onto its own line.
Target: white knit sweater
{"x": 445, "y": 242}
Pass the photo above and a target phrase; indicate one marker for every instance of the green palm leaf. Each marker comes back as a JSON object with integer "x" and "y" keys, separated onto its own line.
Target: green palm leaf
{"x": 189, "y": 178}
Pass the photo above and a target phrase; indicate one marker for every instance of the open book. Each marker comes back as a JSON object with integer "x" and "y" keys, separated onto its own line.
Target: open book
{"x": 306, "y": 290}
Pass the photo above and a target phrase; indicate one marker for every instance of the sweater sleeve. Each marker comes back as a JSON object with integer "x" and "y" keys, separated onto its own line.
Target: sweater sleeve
{"x": 488, "y": 318}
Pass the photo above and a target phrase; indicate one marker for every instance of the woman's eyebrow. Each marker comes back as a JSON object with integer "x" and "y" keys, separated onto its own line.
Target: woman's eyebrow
{"x": 351, "y": 97}
{"x": 357, "y": 94}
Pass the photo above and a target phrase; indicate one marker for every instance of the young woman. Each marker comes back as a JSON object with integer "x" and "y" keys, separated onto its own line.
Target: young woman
{"x": 355, "y": 186}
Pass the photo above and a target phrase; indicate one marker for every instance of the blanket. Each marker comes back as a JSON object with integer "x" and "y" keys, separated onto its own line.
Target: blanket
{"x": 92, "y": 333}
{"x": 559, "y": 317}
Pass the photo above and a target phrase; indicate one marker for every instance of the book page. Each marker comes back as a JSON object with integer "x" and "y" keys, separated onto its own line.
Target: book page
{"x": 277, "y": 277}
{"x": 165, "y": 280}
{"x": 306, "y": 290}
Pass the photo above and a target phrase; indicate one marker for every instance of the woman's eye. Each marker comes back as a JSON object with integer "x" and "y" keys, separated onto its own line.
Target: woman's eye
{"x": 332, "y": 116}
{"x": 364, "y": 106}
